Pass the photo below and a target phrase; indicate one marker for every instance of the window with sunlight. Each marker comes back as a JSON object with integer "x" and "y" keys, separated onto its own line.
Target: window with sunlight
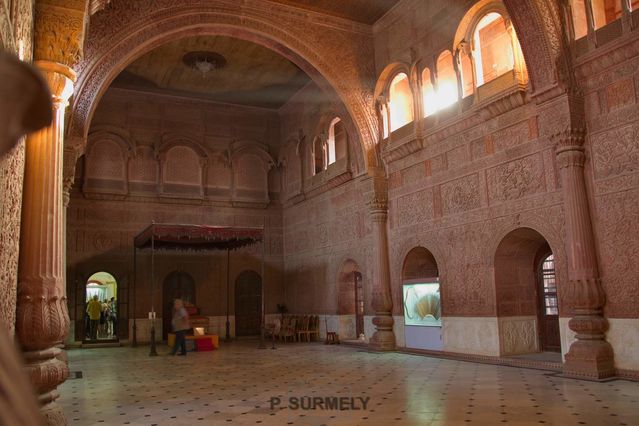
{"x": 493, "y": 48}
{"x": 429, "y": 97}
{"x": 400, "y": 102}
{"x": 447, "y": 91}
{"x": 337, "y": 141}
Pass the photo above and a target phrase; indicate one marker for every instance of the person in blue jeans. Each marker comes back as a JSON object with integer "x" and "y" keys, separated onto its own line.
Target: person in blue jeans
{"x": 181, "y": 326}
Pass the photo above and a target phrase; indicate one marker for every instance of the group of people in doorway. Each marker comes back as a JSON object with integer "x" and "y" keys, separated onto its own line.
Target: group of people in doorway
{"x": 101, "y": 318}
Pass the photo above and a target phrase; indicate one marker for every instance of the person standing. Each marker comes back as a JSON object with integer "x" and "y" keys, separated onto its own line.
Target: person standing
{"x": 113, "y": 318}
{"x": 180, "y": 323}
{"x": 94, "y": 310}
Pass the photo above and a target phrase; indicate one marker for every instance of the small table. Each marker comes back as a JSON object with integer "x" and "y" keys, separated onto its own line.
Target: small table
{"x": 206, "y": 342}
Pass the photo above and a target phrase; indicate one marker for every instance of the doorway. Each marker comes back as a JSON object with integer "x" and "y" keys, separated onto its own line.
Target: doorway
{"x": 248, "y": 304}
{"x": 548, "y": 312}
{"x": 101, "y": 308}
{"x": 177, "y": 285}
{"x": 526, "y": 294}
{"x": 350, "y": 301}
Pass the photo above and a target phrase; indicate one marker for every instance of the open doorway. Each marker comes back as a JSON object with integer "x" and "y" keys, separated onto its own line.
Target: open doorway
{"x": 526, "y": 292}
{"x": 350, "y": 301}
{"x": 101, "y": 308}
{"x": 548, "y": 305}
{"x": 248, "y": 304}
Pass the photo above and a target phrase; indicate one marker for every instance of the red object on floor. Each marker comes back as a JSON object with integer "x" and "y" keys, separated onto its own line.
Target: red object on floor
{"x": 204, "y": 345}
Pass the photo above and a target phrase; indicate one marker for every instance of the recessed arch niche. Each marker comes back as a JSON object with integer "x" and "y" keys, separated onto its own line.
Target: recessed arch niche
{"x": 421, "y": 299}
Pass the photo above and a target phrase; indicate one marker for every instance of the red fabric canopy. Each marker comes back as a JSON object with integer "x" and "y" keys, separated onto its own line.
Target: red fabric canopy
{"x": 196, "y": 237}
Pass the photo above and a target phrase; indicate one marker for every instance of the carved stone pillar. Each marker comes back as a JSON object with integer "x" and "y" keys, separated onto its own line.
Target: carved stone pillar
{"x": 42, "y": 317}
{"x": 590, "y": 356}
{"x": 384, "y": 338}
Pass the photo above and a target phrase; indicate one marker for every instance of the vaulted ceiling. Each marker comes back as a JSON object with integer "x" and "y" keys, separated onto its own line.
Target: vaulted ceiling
{"x": 249, "y": 75}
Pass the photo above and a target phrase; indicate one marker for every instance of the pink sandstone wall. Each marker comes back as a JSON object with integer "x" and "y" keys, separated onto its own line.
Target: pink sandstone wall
{"x": 474, "y": 180}
{"x": 165, "y": 159}
{"x": 326, "y": 221}
{"x": 13, "y": 34}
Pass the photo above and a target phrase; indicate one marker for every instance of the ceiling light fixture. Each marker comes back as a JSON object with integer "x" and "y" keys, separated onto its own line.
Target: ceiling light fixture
{"x": 204, "y": 62}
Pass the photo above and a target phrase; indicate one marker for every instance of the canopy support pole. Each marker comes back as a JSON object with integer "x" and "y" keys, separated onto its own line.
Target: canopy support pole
{"x": 227, "y": 337}
{"x": 153, "y": 352}
{"x": 134, "y": 332}
{"x": 262, "y": 325}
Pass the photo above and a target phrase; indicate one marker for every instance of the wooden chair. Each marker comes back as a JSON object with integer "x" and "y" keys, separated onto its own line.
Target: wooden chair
{"x": 288, "y": 330}
{"x": 313, "y": 329}
{"x": 303, "y": 328}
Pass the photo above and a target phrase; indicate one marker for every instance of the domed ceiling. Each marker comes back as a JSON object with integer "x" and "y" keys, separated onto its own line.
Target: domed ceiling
{"x": 218, "y": 68}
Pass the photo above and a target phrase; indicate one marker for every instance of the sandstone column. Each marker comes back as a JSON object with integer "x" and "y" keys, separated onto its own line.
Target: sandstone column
{"x": 590, "y": 356}
{"x": 384, "y": 338}
{"x": 42, "y": 317}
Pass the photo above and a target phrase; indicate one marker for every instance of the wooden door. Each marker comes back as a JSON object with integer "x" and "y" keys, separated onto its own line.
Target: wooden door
{"x": 177, "y": 285}
{"x": 248, "y": 304}
{"x": 548, "y": 315}
{"x": 359, "y": 304}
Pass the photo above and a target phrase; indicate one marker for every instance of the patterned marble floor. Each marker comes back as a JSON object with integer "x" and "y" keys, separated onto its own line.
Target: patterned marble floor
{"x": 234, "y": 385}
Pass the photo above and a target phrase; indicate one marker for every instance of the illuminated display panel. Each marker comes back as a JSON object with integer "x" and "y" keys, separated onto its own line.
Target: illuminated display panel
{"x": 422, "y": 305}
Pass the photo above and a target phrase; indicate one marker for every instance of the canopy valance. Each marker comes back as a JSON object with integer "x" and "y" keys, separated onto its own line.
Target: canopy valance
{"x": 196, "y": 237}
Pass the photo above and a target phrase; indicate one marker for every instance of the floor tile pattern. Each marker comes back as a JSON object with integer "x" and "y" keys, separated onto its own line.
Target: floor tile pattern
{"x": 234, "y": 385}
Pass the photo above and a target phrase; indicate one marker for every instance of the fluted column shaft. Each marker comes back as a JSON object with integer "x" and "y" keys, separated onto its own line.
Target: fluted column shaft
{"x": 590, "y": 356}
{"x": 384, "y": 338}
{"x": 42, "y": 317}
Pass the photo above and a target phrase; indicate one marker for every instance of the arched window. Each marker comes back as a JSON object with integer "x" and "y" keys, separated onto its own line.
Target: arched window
{"x": 337, "y": 141}
{"x": 429, "y": 96}
{"x": 603, "y": 13}
{"x": 400, "y": 102}
{"x": 579, "y": 19}
{"x": 492, "y": 48}
{"x": 447, "y": 90}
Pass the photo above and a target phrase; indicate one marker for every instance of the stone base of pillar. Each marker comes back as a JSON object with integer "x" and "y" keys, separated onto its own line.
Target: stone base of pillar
{"x": 53, "y": 415}
{"x": 590, "y": 360}
{"x": 383, "y": 339}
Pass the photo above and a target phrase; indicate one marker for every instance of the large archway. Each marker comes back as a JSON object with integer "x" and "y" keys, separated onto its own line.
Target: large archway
{"x": 341, "y": 64}
{"x": 421, "y": 298}
{"x": 526, "y": 291}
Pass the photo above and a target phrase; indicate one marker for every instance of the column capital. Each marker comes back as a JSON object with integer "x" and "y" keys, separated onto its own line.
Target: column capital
{"x": 378, "y": 205}
{"x": 569, "y": 147}
{"x": 60, "y": 79}
{"x": 59, "y": 30}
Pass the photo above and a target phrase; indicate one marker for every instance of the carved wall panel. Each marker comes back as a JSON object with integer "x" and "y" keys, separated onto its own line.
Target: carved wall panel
{"x": 460, "y": 195}
{"x": 616, "y": 152}
{"x": 618, "y": 215}
{"x": 105, "y": 167}
{"x": 182, "y": 166}
{"x": 414, "y": 208}
{"x": 143, "y": 170}
{"x": 516, "y": 179}
{"x": 518, "y": 335}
